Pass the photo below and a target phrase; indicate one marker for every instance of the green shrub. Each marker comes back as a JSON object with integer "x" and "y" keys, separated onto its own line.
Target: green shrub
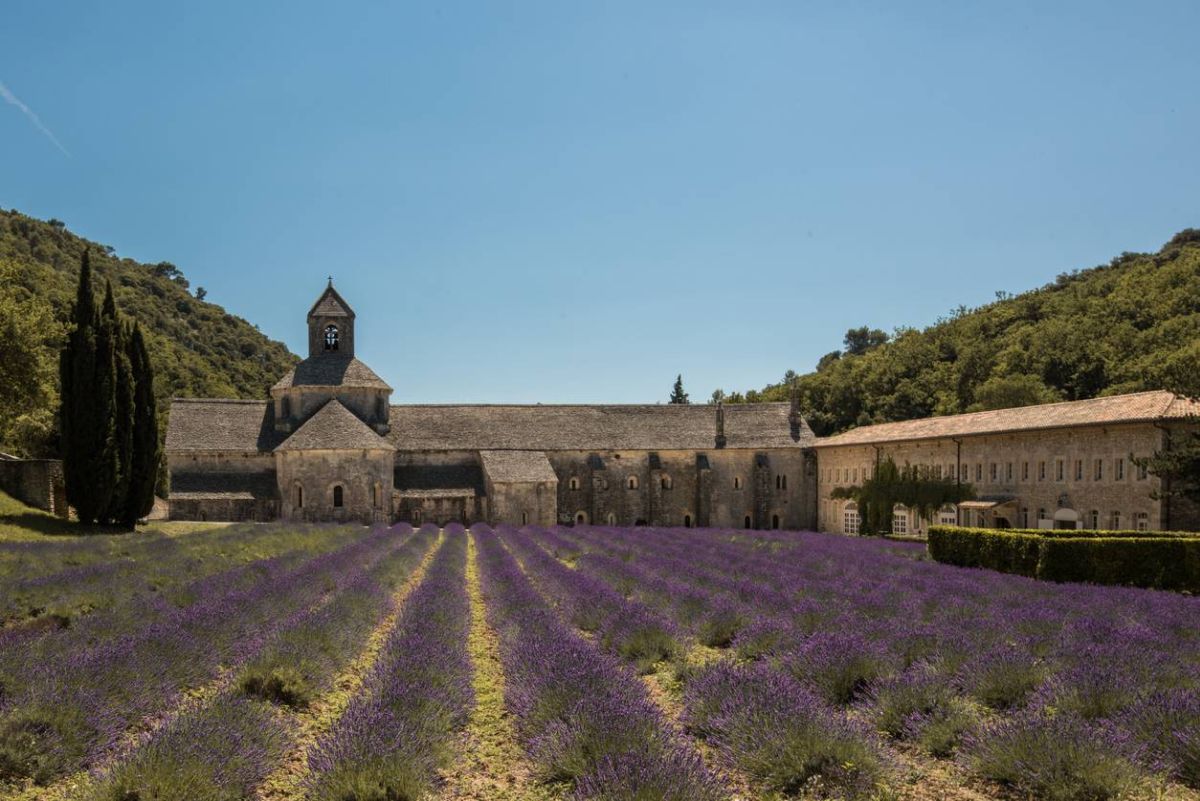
{"x": 1155, "y": 559}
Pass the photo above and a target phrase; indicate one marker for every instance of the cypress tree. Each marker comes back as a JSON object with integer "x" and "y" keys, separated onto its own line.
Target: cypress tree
{"x": 677, "y": 393}
{"x": 123, "y": 388}
{"x": 146, "y": 453}
{"x": 85, "y": 372}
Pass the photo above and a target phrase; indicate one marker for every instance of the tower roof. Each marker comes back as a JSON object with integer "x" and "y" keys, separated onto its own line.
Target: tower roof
{"x": 331, "y": 304}
{"x": 335, "y": 370}
{"x": 334, "y": 427}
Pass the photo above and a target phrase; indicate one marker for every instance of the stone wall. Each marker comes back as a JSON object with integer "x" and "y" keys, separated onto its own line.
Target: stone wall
{"x": 35, "y": 482}
{"x": 1023, "y": 465}
{"x": 719, "y": 487}
{"x": 522, "y": 503}
{"x": 308, "y": 482}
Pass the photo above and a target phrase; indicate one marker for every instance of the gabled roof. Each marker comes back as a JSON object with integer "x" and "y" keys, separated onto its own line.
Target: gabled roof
{"x": 331, "y": 304}
{"x": 570, "y": 427}
{"x": 334, "y": 427}
{"x": 1137, "y": 407}
{"x": 330, "y": 370}
{"x": 214, "y": 424}
{"x": 517, "y": 466}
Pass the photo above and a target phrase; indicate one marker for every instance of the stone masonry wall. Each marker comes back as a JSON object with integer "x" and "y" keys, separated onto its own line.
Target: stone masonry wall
{"x": 1012, "y": 464}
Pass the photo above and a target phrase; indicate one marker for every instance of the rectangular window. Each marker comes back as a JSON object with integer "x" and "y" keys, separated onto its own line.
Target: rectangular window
{"x": 1025, "y": 472}
{"x": 1142, "y": 521}
{"x": 1041, "y": 471}
{"x": 1099, "y": 473}
{"x": 1008, "y": 472}
{"x": 1079, "y": 470}
{"x": 1116, "y": 521}
{"x": 1120, "y": 470}
{"x": 1058, "y": 469}
{"x": 979, "y": 471}
{"x": 1143, "y": 472}
{"x": 992, "y": 472}
{"x": 856, "y": 475}
{"x": 850, "y": 521}
{"x": 900, "y": 523}
{"x": 1024, "y": 517}
{"x": 1095, "y": 519}
{"x": 937, "y": 471}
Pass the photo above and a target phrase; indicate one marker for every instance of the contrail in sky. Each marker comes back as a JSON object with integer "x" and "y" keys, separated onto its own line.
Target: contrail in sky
{"x": 28, "y": 112}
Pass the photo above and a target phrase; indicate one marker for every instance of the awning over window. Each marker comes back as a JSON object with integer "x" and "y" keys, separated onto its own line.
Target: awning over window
{"x": 984, "y": 504}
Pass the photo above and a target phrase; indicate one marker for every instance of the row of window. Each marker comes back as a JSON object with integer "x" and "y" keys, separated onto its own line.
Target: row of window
{"x": 902, "y": 518}
{"x": 1096, "y": 470}
{"x": 581, "y": 518}
{"x": 339, "y": 496}
{"x": 632, "y": 482}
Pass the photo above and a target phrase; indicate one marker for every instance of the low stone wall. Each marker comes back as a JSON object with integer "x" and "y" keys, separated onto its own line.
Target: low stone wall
{"x": 35, "y": 482}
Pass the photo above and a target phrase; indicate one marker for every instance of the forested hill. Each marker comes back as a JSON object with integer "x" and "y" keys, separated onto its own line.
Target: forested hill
{"x": 196, "y": 347}
{"x": 1121, "y": 327}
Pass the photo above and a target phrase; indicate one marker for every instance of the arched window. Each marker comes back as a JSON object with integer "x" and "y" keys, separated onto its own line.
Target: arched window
{"x": 632, "y": 482}
{"x": 573, "y": 484}
{"x": 778, "y": 482}
{"x": 747, "y": 522}
{"x": 331, "y": 337}
{"x": 666, "y": 482}
{"x": 785, "y": 480}
{"x": 850, "y": 519}
{"x": 687, "y": 521}
{"x": 611, "y": 519}
{"x": 337, "y": 496}
{"x": 299, "y": 497}
{"x": 524, "y": 518}
{"x": 737, "y": 482}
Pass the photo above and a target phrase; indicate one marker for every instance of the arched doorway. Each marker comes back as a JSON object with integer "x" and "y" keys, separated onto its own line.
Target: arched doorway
{"x": 581, "y": 518}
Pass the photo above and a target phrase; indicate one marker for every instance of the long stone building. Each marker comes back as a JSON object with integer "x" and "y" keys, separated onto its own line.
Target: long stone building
{"x": 330, "y": 445}
{"x": 1059, "y": 465}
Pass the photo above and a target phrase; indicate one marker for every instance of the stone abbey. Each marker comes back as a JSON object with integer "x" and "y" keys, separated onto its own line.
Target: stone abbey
{"x": 330, "y": 446}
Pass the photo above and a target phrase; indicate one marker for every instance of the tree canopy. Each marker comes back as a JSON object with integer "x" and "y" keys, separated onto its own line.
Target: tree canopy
{"x": 1107, "y": 330}
{"x": 195, "y": 348}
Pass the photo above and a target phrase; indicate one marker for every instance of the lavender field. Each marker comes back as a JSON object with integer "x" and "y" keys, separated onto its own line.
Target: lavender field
{"x": 343, "y": 663}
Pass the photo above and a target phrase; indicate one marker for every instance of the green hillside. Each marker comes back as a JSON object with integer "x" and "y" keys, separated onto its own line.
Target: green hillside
{"x": 1130, "y": 325}
{"x": 197, "y": 348}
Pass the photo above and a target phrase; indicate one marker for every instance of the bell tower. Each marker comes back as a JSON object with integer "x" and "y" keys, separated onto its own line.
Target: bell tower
{"x": 330, "y": 326}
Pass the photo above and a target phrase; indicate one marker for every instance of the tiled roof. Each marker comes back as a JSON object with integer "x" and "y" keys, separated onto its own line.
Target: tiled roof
{"x": 221, "y": 425}
{"x": 204, "y": 485}
{"x": 517, "y": 466}
{"x": 331, "y": 370}
{"x": 1136, "y": 407}
{"x": 331, "y": 304}
{"x": 570, "y": 427}
{"x": 334, "y": 427}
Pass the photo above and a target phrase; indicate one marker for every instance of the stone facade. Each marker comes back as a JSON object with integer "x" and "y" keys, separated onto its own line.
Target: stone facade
{"x": 1077, "y": 476}
{"x": 329, "y": 445}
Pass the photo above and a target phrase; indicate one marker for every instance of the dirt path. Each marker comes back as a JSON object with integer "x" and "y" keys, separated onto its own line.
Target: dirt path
{"x": 285, "y": 783}
{"x": 491, "y": 764}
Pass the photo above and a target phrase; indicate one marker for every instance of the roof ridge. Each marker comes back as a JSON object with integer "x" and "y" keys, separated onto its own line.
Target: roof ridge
{"x": 709, "y": 406}
{"x": 219, "y": 400}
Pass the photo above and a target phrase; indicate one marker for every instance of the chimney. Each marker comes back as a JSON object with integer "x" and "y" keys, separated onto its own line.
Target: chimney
{"x": 720, "y": 425}
{"x": 795, "y": 421}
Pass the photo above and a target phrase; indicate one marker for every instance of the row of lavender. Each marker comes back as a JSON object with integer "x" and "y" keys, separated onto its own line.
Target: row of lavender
{"x": 286, "y": 622}
{"x": 855, "y": 638}
{"x": 43, "y": 587}
{"x": 583, "y": 717}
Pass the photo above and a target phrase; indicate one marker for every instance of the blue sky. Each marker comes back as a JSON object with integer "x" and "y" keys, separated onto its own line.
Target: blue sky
{"x": 573, "y": 202}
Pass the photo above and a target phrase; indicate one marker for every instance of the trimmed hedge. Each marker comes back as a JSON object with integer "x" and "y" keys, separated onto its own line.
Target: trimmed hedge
{"x": 1159, "y": 560}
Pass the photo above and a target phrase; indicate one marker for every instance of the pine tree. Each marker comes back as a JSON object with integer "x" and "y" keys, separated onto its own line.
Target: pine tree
{"x": 677, "y": 393}
{"x": 86, "y": 371}
{"x": 146, "y": 453}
